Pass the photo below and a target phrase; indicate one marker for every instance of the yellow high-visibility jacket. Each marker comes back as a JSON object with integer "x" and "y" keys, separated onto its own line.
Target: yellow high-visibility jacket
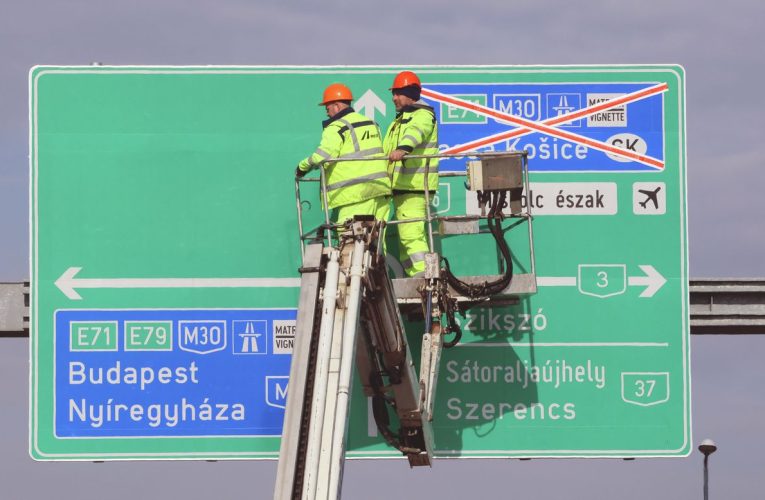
{"x": 350, "y": 135}
{"x": 415, "y": 131}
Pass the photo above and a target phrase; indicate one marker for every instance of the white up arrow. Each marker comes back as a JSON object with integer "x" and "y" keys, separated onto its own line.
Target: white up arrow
{"x": 368, "y": 103}
{"x": 69, "y": 285}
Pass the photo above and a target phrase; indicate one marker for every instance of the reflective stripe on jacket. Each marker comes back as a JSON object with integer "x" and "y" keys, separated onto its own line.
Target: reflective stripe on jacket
{"x": 415, "y": 131}
{"x": 350, "y": 135}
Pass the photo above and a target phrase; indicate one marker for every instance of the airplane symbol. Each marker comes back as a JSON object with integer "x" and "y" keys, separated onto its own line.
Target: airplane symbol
{"x": 650, "y": 196}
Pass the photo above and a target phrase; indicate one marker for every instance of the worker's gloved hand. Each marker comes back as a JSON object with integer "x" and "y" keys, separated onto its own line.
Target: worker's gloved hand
{"x": 300, "y": 173}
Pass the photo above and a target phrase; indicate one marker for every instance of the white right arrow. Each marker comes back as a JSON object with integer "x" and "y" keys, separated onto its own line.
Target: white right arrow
{"x": 653, "y": 280}
{"x": 368, "y": 103}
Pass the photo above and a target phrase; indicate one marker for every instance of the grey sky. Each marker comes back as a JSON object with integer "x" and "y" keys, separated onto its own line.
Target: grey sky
{"x": 720, "y": 45}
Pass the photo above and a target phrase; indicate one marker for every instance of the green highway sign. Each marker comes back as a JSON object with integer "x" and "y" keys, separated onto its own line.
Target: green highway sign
{"x": 164, "y": 256}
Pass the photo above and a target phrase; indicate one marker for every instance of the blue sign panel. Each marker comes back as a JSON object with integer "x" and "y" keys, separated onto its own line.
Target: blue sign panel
{"x": 589, "y": 141}
{"x": 189, "y": 372}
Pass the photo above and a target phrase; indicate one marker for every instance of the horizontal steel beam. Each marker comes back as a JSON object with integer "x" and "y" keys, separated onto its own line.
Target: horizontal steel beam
{"x": 719, "y": 306}
{"x": 14, "y": 309}
{"x": 727, "y": 306}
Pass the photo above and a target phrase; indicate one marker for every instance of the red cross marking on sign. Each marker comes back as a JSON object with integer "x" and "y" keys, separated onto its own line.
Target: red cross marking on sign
{"x": 545, "y": 127}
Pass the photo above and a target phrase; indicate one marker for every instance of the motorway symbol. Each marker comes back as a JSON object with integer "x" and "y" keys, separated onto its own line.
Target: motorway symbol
{"x": 562, "y": 104}
{"x": 247, "y": 335}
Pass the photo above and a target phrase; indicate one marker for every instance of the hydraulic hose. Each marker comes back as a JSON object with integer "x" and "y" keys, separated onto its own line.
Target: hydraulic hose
{"x": 487, "y": 288}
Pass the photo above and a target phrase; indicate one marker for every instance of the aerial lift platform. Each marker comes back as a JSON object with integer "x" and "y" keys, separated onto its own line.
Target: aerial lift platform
{"x": 349, "y": 314}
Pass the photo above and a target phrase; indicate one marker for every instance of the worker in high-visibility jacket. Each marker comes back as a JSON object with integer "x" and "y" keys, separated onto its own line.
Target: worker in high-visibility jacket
{"x": 359, "y": 187}
{"x": 413, "y": 132}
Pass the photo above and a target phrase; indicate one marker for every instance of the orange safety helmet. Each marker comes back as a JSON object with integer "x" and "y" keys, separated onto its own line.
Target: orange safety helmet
{"x": 405, "y": 79}
{"x": 336, "y": 92}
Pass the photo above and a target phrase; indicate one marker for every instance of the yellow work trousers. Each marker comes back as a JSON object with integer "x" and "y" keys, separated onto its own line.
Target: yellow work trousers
{"x": 413, "y": 239}
{"x": 379, "y": 207}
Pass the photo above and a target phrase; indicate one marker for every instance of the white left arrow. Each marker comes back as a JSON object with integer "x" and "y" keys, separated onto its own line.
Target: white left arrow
{"x": 69, "y": 284}
{"x": 368, "y": 103}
